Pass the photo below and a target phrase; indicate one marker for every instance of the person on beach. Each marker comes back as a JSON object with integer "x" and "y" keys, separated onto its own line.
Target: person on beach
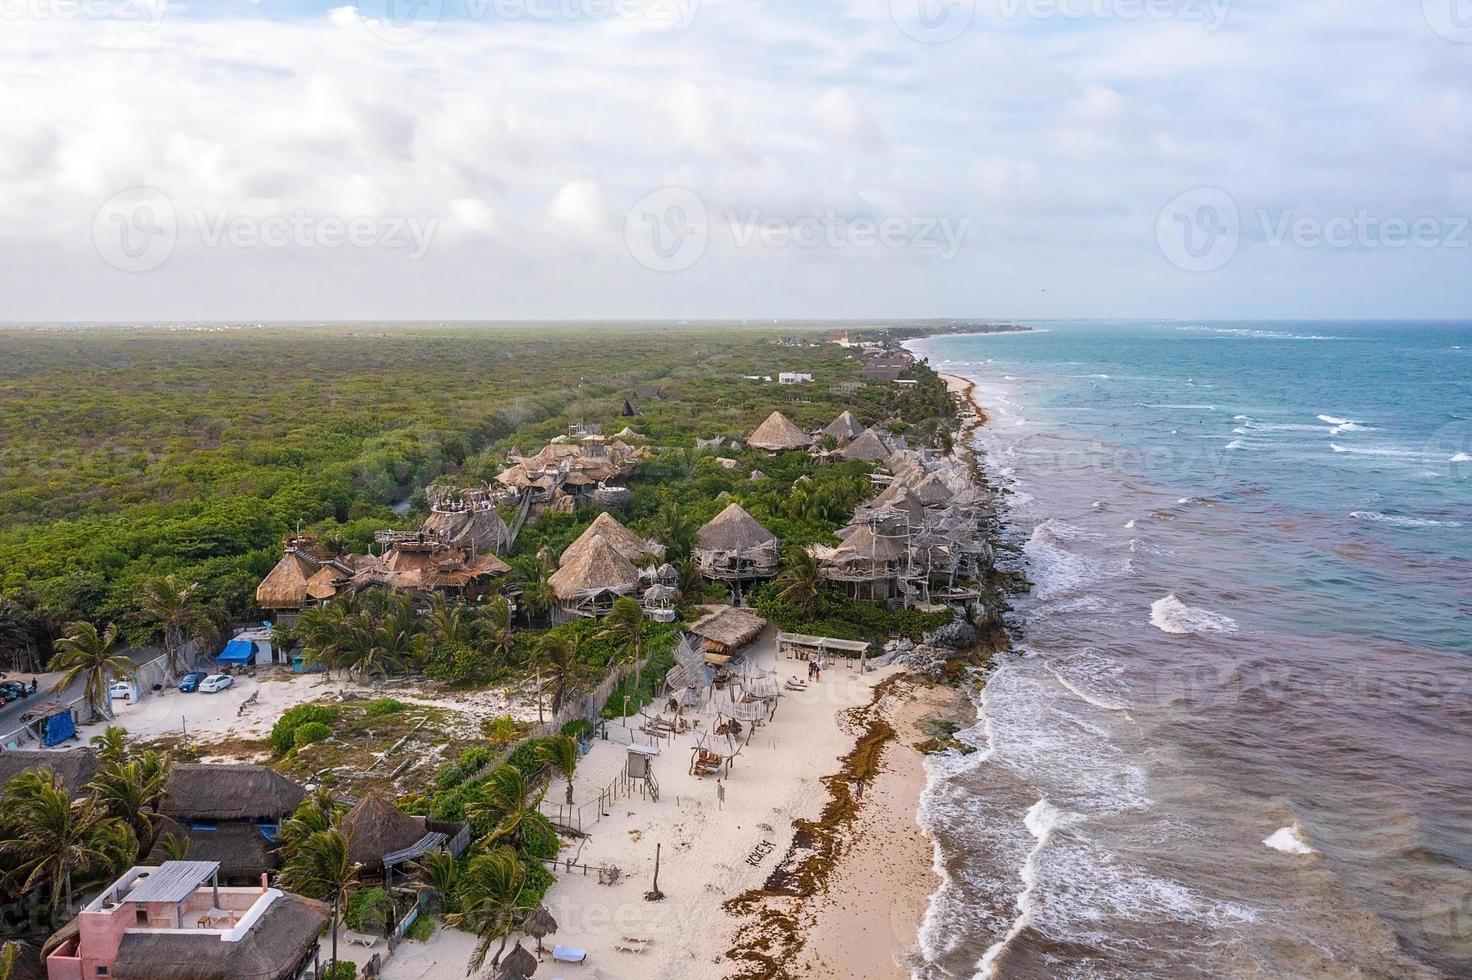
{"x": 860, "y": 786}
{"x": 818, "y": 669}
{"x": 811, "y": 668}
{"x": 720, "y": 795}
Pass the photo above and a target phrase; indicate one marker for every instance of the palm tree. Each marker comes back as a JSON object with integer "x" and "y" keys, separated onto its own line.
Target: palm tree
{"x": 316, "y": 813}
{"x": 9, "y": 953}
{"x": 110, "y": 745}
{"x": 490, "y": 896}
{"x": 83, "y": 653}
{"x": 321, "y": 867}
{"x": 801, "y": 583}
{"x": 563, "y": 657}
{"x": 560, "y": 753}
{"x": 49, "y": 839}
{"x": 130, "y": 790}
{"x": 674, "y": 527}
{"x": 537, "y": 596}
{"x": 169, "y": 605}
{"x": 625, "y": 626}
{"x": 508, "y": 808}
{"x": 495, "y": 628}
{"x": 175, "y": 846}
{"x": 439, "y": 875}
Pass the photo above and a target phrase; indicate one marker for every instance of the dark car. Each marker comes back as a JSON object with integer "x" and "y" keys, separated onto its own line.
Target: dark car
{"x": 190, "y": 681}
{"x": 13, "y": 690}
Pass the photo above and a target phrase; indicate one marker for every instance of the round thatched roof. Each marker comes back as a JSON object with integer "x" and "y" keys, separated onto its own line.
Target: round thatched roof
{"x": 598, "y": 567}
{"x": 376, "y": 827}
{"x": 844, "y": 427}
{"x": 869, "y": 445}
{"x": 779, "y": 432}
{"x": 733, "y": 529}
{"x": 627, "y": 543}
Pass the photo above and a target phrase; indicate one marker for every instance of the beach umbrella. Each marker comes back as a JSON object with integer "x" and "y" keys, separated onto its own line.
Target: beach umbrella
{"x": 539, "y": 924}
{"x": 518, "y": 965}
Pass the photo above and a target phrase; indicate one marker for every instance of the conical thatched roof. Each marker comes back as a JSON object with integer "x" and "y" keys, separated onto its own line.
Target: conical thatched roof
{"x": 518, "y": 965}
{"x": 376, "y": 827}
{"x": 869, "y": 445}
{"x": 932, "y": 490}
{"x": 628, "y": 544}
{"x": 779, "y": 432}
{"x": 844, "y": 427}
{"x": 597, "y": 567}
{"x": 862, "y": 544}
{"x": 900, "y": 498}
{"x": 733, "y": 529}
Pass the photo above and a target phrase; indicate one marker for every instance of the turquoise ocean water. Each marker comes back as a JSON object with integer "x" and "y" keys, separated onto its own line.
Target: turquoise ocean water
{"x": 1236, "y": 739}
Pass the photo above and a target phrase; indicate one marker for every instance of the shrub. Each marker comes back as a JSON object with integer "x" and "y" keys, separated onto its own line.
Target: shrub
{"x": 365, "y": 910}
{"x": 579, "y": 728}
{"x": 342, "y": 971}
{"x": 384, "y": 706}
{"x": 456, "y": 771}
{"x": 422, "y": 929}
{"x": 458, "y": 663}
{"x": 283, "y": 734}
{"x": 312, "y": 731}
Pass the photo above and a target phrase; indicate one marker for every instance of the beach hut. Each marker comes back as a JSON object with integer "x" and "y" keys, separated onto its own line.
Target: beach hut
{"x": 381, "y": 836}
{"x": 777, "y": 434}
{"x": 636, "y": 549}
{"x": 587, "y": 586}
{"x": 307, "y": 574}
{"x": 843, "y": 427}
{"x": 869, "y": 446}
{"x": 868, "y": 562}
{"x": 727, "y": 630}
{"x": 228, "y": 813}
{"x": 480, "y": 529}
{"x": 734, "y": 548}
{"x": 74, "y": 768}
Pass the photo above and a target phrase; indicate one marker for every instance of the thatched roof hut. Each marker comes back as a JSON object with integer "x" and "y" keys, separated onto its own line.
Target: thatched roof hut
{"x": 869, "y": 445}
{"x": 242, "y": 850}
{"x": 74, "y": 767}
{"x": 306, "y": 573}
{"x": 274, "y": 947}
{"x": 376, "y": 827}
{"x": 733, "y": 529}
{"x": 900, "y": 498}
{"x": 421, "y": 564}
{"x": 626, "y": 542}
{"x": 481, "y": 530}
{"x": 931, "y": 491}
{"x": 843, "y": 427}
{"x": 777, "y": 433}
{"x": 225, "y": 793}
{"x": 598, "y": 567}
{"x": 728, "y": 629}
{"x": 862, "y": 556}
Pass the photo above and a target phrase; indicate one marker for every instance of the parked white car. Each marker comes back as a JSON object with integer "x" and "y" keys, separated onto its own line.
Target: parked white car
{"x": 214, "y": 683}
{"x": 120, "y": 691}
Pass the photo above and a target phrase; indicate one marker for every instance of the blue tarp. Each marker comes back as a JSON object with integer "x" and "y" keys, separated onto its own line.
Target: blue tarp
{"x": 59, "y": 727}
{"x": 237, "y": 652}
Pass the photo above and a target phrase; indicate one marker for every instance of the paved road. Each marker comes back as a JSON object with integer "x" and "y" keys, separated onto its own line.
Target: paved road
{"x": 10, "y": 713}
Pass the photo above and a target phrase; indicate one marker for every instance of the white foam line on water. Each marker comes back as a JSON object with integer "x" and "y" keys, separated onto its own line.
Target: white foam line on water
{"x": 1289, "y": 840}
{"x": 1041, "y": 820}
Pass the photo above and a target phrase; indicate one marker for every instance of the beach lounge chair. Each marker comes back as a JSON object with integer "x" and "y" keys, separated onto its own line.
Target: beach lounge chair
{"x": 569, "y": 954}
{"x": 360, "y": 938}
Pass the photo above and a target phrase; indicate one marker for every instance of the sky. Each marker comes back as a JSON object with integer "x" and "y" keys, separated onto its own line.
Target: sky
{"x": 547, "y": 159}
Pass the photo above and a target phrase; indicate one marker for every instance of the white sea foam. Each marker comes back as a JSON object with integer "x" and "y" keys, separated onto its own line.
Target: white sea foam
{"x": 1373, "y": 451}
{"x": 1461, "y": 458}
{"x": 1401, "y": 521}
{"x": 1130, "y": 524}
{"x": 1183, "y": 408}
{"x": 1289, "y": 840}
{"x": 1240, "y": 430}
{"x": 1235, "y": 444}
{"x": 1171, "y": 615}
{"x": 1332, "y": 420}
{"x": 1041, "y": 821}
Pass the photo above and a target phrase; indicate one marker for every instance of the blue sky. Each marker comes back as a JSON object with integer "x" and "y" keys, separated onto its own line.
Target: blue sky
{"x": 696, "y": 158}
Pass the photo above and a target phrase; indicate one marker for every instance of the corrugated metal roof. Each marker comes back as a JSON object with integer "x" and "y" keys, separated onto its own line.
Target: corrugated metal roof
{"x": 172, "y": 881}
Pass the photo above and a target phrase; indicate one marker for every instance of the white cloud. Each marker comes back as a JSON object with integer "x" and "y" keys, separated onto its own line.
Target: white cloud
{"x": 522, "y": 137}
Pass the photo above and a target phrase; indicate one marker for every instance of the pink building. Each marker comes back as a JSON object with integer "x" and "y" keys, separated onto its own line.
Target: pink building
{"x": 175, "y": 920}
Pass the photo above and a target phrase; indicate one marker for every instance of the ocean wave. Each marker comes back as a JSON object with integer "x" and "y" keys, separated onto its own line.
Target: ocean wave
{"x": 1289, "y": 840}
{"x": 1041, "y": 820}
{"x": 1171, "y": 615}
{"x": 1235, "y": 444}
{"x": 1253, "y": 334}
{"x": 1372, "y": 451}
{"x": 1461, "y": 458}
{"x": 1401, "y": 521}
{"x": 1184, "y": 408}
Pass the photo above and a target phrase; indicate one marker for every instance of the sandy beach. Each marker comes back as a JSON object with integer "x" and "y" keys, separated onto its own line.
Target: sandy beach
{"x": 794, "y": 874}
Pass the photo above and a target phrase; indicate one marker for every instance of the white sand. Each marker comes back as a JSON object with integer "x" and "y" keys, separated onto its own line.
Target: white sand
{"x": 704, "y": 847}
{"x": 226, "y": 715}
